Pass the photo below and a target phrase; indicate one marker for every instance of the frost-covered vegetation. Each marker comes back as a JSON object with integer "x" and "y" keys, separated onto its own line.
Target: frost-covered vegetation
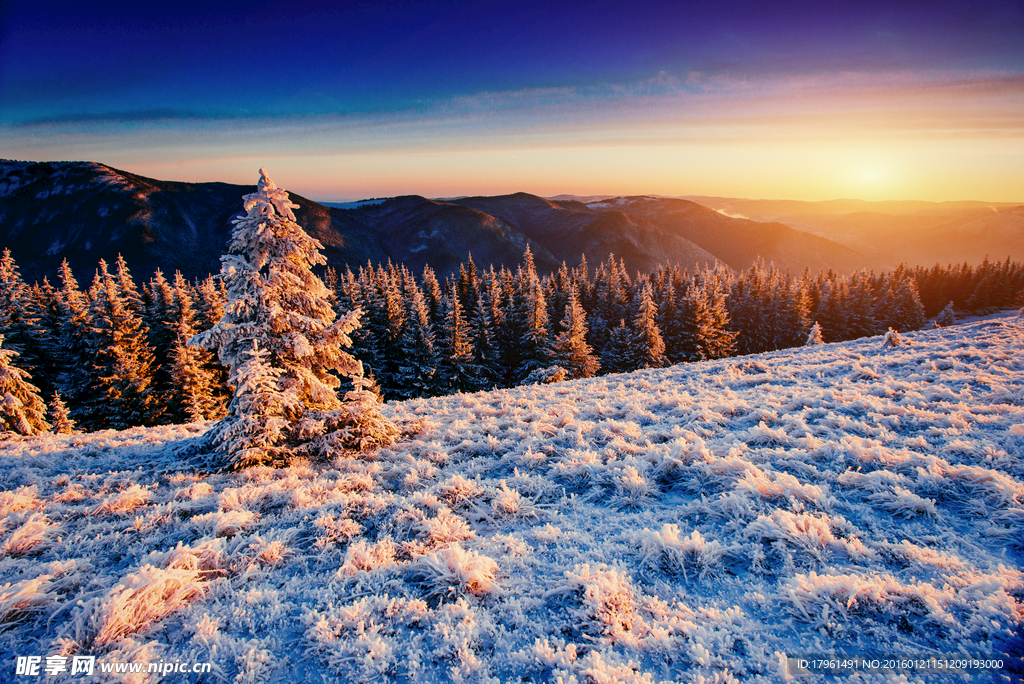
{"x": 695, "y": 523}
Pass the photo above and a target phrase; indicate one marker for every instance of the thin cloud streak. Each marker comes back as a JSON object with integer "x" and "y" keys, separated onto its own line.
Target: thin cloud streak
{"x": 664, "y": 97}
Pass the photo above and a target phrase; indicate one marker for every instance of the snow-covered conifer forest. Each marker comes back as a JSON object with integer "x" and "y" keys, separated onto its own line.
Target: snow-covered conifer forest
{"x": 664, "y": 521}
{"x": 117, "y": 354}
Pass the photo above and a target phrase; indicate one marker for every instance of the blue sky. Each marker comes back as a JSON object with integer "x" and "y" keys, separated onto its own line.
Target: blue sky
{"x": 359, "y": 99}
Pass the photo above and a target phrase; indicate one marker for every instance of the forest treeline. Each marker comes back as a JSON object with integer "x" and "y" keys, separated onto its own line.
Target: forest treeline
{"x": 115, "y": 355}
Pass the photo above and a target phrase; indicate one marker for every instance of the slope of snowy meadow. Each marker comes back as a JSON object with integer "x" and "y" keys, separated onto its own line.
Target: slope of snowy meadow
{"x": 697, "y": 523}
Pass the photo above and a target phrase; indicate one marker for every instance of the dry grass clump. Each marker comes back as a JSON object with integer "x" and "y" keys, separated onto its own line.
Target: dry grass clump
{"x": 607, "y": 601}
{"x": 998, "y": 487}
{"x": 72, "y": 494}
{"x": 33, "y": 536}
{"x": 874, "y": 481}
{"x": 632, "y": 488}
{"x": 817, "y": 598}
{"x": 225, "y": 523}
{"x": 666, "y": 550}
{"x": 579, "y": 467}
{"x": 362, "y": 556}
{"x": 509, "y": 503}
{"x": 20, "y": 599}
{"x": 357, "y": 639}
{"x": 459, "y": 490}
{"x": 813, "y": 534}
{"x": 454, "y": 571}
{"x": 335, "y": 529}
{"x": 143, "y": 598}
{"x": 778, "y": 485}
{"x": 194, "y": 491}
{"x": 445, "y": 528}
{"x": 907, "y": 552}
{"x": 149, "y": 594}
{"x": 19, "y": 500}
{"x": 274, "y": 553}
{"x": 904, "y": 502}
{"x": 124, "y": 502}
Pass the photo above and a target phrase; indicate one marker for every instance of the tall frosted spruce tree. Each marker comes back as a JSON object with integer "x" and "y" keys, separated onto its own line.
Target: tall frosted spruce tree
{"x": 22, "y": 410}
{"x": 284, "y": 345}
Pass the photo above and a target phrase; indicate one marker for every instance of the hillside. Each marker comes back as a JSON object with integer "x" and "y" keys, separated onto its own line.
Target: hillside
{"x": 82, "y": 211}
{"x": 569, "y": 229}
{"x": 417, "y": 231}
{"x": 696, "y": 523}
{"x": 889, "y": 233}
{"x": 739, "y": 241}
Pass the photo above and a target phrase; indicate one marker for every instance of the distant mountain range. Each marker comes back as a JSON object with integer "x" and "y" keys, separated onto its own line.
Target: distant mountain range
{"x": 84, "y": 211}
{"x": 888, "y": 233}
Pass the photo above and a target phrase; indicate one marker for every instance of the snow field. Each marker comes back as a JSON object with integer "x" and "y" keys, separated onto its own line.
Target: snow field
{"x": 691, "y": 524}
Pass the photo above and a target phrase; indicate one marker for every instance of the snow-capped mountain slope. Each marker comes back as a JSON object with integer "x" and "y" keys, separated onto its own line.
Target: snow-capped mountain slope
{"x": 696, "y": 523}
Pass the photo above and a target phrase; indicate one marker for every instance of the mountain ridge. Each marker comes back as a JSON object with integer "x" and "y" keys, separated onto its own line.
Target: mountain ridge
{"x": 85, "y": 211}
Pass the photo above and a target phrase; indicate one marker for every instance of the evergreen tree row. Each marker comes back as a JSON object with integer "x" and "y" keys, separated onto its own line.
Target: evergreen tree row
{"x": 115, "y": 355}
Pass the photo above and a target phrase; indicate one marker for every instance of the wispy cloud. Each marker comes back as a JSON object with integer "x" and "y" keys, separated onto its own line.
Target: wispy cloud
{"x": 921, "y": 103}
{"x": 130, "y": 116}
{"x": 688, "y": 127}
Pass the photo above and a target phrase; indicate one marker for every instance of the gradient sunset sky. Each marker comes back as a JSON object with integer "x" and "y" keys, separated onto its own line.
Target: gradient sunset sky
{"x": 822, "y": 100}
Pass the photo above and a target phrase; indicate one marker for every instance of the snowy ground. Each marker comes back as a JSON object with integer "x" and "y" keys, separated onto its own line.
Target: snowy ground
{"x": 697, "y": 523}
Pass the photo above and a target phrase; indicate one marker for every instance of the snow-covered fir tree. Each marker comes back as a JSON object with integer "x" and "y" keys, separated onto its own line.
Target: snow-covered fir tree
{"x": 19, "y": 318}
{"x": 361, "y": 293}
{"x": 616, "y": 355}
{"x": 468, "y": 287}
{"x": 72, "y": 353}
{"x": 790, "y": 307}
{"x": 570, "y": 350}
{"x": 814, "y": 337}
{"x": 389, "y": 331}
{"x": 647, "y": 349}
{"x": 122, "y": 393}
{"x": 481, "y": 339}
{"x": 670, "y": 319}
{"x": 831, "y": 311}
{"x": 946, "y": 317}
{"x": 490, "y": 331}
{"x": 432, "y": 296}
{"x": 129, "y": 291}
{"x": 195, "y": 387}
{"x": 721, "y": 340}
{"x": 902, "y": 308}
{"x": 60, "y": 419}
{"x": 284, "y": 345}
{"x": 457, "y": 368}
{"x": 210, "y": 303}
{"x": 695, "y": 323}
{"x": 556, "y": 293}
{"x": 748, "y": 310}
{"x": 860, "y": 309}
{"x": 161, "y": 321}
{"x": 418, "y": 367}
{"x": 22, "y": 410}
{"x": 530, "y": 321}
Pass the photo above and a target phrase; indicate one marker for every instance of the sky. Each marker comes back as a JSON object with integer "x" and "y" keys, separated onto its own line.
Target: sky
{"x": 812, "y": 101}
